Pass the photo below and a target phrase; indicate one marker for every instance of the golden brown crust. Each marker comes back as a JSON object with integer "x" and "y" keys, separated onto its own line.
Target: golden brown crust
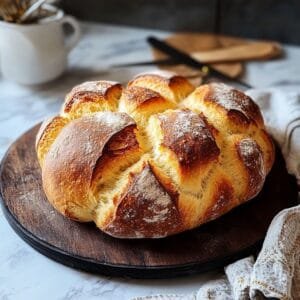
{"x": 252, "y": 158}
{"x": 222, "y": 200}
{"x": 188, "y": 136}
{"x": 137, "y": 96}
{"x": 93, "y": 92}
{"x": 145, "y": 209}
{"x": 47, "y": 134}
{"x": 167, "y": 84}
{"x": 238, "y": 105}
{"x": 69, "y": 165}
{"x": 117, "y": 147}
{"x": 154, "y": 159}
{"x": 269, "y": 149}
{"x": 230, "y": 108}
{"x": 144, "y": 101}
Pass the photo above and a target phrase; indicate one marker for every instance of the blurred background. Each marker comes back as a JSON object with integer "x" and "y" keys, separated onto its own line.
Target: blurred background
{"x": 262, "y": 19}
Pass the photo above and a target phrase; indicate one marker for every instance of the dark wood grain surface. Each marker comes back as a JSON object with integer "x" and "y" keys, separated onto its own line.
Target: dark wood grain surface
{"x": 83, "y": 246}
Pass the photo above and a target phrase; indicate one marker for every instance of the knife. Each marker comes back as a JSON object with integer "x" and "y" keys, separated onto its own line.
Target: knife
{"x": 186, "y": 59}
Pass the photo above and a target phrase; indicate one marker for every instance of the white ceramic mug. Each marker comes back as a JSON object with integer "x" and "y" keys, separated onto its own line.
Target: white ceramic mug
{"x": 36, "y": 53}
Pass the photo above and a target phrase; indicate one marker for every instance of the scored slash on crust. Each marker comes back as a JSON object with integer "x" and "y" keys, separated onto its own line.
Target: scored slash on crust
{"x": 155, "y": 158}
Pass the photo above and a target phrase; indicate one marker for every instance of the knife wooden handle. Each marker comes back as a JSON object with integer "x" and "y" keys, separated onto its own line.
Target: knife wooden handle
{"x": 251, "y": 51}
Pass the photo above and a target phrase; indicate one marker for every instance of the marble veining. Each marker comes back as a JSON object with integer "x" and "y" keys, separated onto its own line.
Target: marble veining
{"x": 26, "y": 274}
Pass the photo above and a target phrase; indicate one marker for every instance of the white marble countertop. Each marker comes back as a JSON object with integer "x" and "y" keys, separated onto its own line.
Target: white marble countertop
{"x": 26, "y": 274}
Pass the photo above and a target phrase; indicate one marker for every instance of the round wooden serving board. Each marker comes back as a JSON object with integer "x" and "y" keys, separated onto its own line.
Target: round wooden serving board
{"x": 83, "y": 246}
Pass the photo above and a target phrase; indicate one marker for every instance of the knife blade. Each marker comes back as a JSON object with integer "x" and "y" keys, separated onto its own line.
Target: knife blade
{"x": 161, "y": 62}
{"x": 186, "y": 59}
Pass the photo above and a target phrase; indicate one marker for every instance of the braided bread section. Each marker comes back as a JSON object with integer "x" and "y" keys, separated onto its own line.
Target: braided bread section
{"x": 155, "y": 158}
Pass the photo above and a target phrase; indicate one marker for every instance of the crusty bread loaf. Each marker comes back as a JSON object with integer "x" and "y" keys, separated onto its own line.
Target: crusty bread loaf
{"x": 155, "y": 158}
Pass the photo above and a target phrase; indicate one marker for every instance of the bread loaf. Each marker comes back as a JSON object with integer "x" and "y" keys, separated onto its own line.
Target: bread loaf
{"x": 154, "y": 158}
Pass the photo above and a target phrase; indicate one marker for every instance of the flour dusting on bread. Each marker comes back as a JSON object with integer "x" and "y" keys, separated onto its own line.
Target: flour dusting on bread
{"x": 113, "y": 119}
{"x": 155, "y": 158}
{"x": 149, "y": 190}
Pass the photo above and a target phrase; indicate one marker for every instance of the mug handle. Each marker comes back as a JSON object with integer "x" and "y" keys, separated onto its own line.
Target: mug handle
{"x": 74, "y": 37}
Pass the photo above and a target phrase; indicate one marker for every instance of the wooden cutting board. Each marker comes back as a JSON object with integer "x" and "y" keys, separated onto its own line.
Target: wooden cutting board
{"x": 209, "y": 48}
{"x": 83, "y": 246}
{"x": 194, "y": 42}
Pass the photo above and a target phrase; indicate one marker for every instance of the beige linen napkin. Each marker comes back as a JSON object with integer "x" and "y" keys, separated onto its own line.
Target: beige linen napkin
{"x": 276, "y": 272}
